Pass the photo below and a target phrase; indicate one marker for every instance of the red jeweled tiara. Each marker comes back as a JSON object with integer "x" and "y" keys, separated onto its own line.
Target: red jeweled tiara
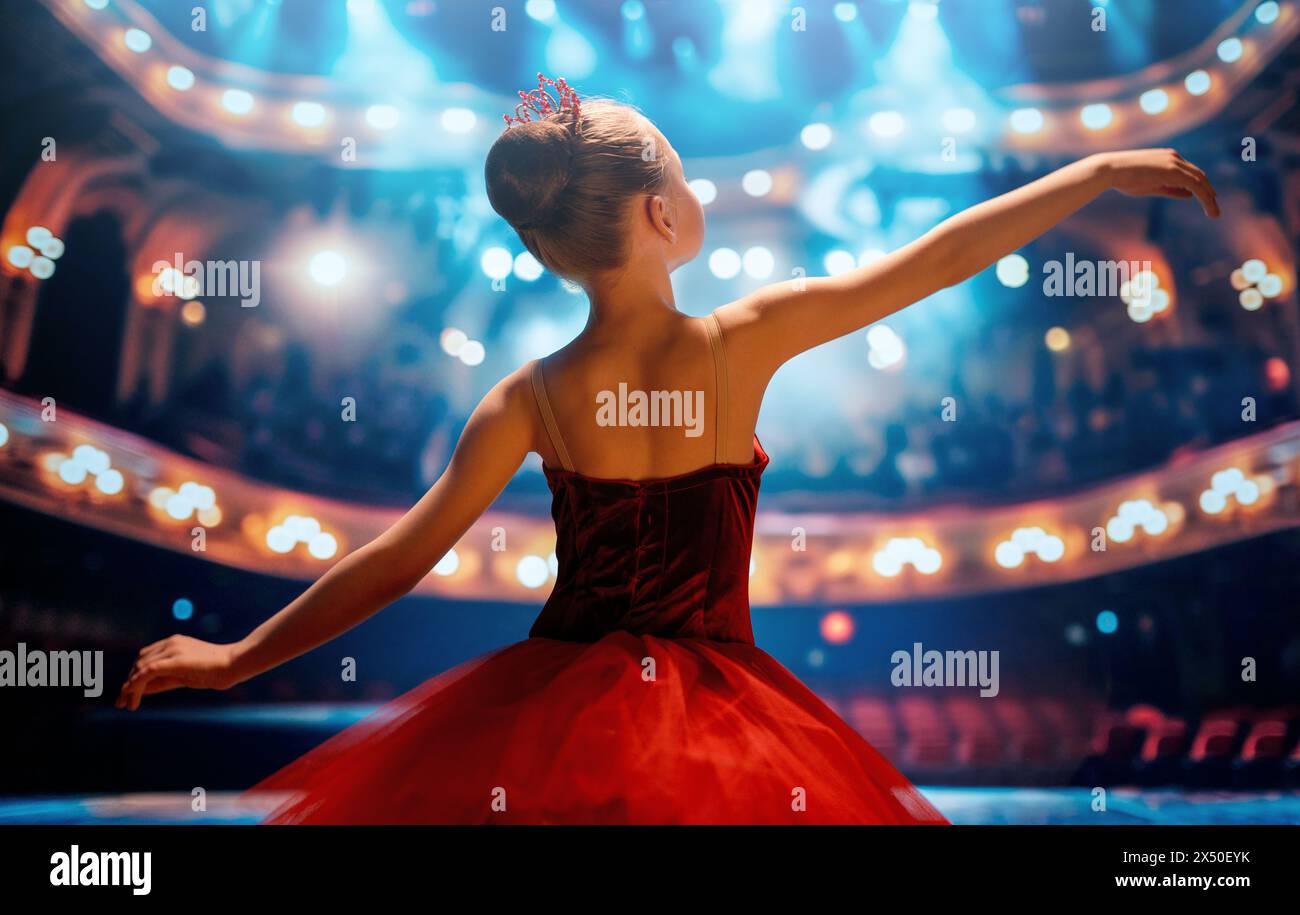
{"x": 541, "y": 102}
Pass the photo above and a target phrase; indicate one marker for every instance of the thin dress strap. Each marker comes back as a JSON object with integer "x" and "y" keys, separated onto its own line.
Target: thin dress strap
{"x": 720, "y": 384}
{"x": 548, "y": 418}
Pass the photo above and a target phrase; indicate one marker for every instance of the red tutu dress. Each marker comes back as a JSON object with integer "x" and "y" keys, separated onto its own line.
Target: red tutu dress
{"x": 639, "y": 696}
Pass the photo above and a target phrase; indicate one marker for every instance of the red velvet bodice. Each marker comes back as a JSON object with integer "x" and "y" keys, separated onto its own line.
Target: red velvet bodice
{"x": 667, "y": 557}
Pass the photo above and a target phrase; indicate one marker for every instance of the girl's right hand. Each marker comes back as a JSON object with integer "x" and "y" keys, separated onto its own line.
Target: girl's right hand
{"x": 176, "y": 662}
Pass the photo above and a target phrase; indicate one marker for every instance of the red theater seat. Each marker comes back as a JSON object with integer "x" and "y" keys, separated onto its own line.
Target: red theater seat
{"x": 928, "y": 740}
{"x": 874, "y": 720}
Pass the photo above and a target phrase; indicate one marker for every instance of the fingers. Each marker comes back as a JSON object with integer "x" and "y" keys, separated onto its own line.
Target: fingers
{"x": 1199, "y": 184}
{"x": 146, "y": 678}
{"x": 153, "y": 649}
{"x": 162, "y": 685}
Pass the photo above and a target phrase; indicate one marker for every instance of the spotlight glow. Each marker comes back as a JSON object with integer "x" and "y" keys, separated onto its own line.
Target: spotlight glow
{"x": 448, "y": 564}
{"x": 309, "y": 114}
{"x": 458, "y": 120}
{"x": 724, "y": 263}
{"x": 497, "y": 262}
{"x": 527, "y": 267}
{"x": 180, "y": 78}
{"x": 1057, "y": 339}
{"x": 837, "y": 627}
{"x": 1012, "y": 271}
{"x": 1229, "y": 50}
{"x": 958, "y": 120}
{"x": 759, "y": 262}
{"x": 137, "y": 40}
{"x": 901, "y": 551}
{"x": 885, "y": 347}
{"x": 816, "y": 136}
{"x": 1134, "y": 514}
{"x": 237, "y": 101}
{"x": 541, "y": 10}
{"x": 1096, "y": 116}
{"x": 1026, "y": 120}
{"x": 382, "y": 117}
{"x": 756, "y": 183}
{"x": 886, "y": 124}
{"x": 532, "y": 571}
{"x": 705, "y": 190}
{"x": 1154, "y": 101}
{"x": 53, "y": 248}
{"x": 1197, "y": 82}
{"x": 328, "y": 268}
{"x": 453, "y": 340}
{"x": 838, "y": 261}
{"x": 1025, "y": 541}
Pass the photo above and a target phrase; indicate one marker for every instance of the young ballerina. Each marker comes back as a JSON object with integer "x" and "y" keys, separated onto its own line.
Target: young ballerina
{"x": 639, "y": 696}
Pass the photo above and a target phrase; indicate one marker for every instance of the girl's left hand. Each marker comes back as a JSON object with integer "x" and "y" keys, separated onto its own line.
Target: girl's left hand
{"x": 1163, "y": 172}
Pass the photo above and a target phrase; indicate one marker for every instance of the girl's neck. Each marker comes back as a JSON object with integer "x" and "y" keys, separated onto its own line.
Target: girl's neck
{"x": 637, "y": 295}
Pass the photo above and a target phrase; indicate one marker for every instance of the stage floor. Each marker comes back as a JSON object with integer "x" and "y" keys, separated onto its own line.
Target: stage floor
{"x": 963, "y": 806}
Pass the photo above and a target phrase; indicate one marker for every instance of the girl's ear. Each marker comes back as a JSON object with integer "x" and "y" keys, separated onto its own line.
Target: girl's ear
{"x": 662, "y": 216}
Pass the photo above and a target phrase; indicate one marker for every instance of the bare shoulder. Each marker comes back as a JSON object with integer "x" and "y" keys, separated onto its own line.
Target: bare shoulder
{"x": 513, "y": 394}
{"x": 746, "y": 336}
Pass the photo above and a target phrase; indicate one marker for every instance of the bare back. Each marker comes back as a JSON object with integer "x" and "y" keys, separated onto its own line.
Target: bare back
{"x": 646, "y": 406}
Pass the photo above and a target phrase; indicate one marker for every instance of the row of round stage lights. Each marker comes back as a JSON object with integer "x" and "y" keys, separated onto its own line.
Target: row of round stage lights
{"x": 1132, "y": 516}
{"x": 1229, "y": 485}
{"x": 889, "y": 124}
{"x": 1144, "y": 297}
{"x": 1100, "y": 115}
{"x": 302, "y": 529}
{"x": 532, "y": 571}
{"x": 1141, "y": 294}
{"x": 306, "y": 114}
{"x": 884, "y": 124}
{"x": 190, "y": 499}
{"x": 86, "y": 463}
{"x": 37, "y": 257}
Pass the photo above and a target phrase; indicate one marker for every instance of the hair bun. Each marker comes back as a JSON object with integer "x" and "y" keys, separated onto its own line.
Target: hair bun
{"x": 527, "y": 169}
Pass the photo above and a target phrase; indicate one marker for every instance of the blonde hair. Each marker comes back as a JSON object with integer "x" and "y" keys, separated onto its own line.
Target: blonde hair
{"x": 564, "y": 183}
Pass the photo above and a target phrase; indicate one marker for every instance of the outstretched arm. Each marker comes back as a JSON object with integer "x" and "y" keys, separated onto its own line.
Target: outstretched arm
{"x": 784, "y": 319}
{"x": 497, "y": 437}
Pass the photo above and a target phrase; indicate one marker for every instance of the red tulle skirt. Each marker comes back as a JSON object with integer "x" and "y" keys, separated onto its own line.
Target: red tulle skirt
{"x": 627, "y": 729}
